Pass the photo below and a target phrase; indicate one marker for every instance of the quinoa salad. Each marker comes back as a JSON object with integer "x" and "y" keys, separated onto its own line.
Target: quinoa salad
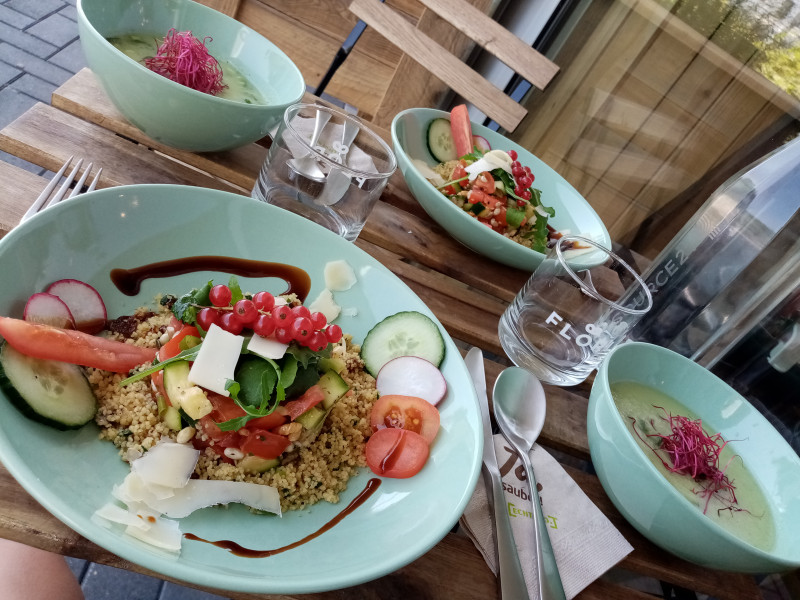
{"x": 129, "y": 417}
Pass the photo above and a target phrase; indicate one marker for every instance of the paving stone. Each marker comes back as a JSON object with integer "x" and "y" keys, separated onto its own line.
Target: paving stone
{"x": 14, "y": 103}
{"x": 8, "y": 73}
{"x": 35, "y": 8}
{"x": 102, "y": 582}
{"x": 34, "y": 87}
{"x": 14, "y": 18}
{"x": 173, "y": 591}
{"x": 78, "y": 566}
{"x": 25, "y": 42}
{"x": 55, "y": 29}
{"x": 70, "y": 58}
{"x": 32, "y": 64}
{"x": 70, "y": 12}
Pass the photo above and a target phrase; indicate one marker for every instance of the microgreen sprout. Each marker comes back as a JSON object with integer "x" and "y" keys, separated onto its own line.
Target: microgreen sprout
{"x": 689, "y": 450}
{"x": 183, "y": 58}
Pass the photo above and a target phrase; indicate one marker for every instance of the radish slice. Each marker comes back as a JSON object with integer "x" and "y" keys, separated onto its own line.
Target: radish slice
{"x": 481, "y": 143}
{"x": 83, "y": 301}
{"x": 48, "y": 310}
{"x": 412, "y": 376}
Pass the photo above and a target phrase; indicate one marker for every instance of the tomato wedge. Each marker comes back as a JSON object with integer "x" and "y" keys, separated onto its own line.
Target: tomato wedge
{"x": 405, "y": 412}
{"x": 264, "y": 444}
{"x": 396, "y": 453}
{"x": 312, "y": 396}
{"x": 484, "y": 181}
{"x": 461, "y": 128}
{"x": 71, "y": 346}
{"x": 173, "y": 346}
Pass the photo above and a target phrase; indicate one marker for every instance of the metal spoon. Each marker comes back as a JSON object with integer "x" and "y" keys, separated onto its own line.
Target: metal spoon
{"x": 306, "y": 165}
{"x": 519, "y": 408}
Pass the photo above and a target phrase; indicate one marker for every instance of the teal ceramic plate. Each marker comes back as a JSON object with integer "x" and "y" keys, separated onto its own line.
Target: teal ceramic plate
{"x": 573, "y": 212}
{"x": 72, "y": 473}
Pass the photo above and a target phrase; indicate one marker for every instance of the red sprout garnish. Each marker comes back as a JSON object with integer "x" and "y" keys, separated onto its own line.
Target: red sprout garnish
{"x": 691, "y": 451}
{"x": 185, "y": 59}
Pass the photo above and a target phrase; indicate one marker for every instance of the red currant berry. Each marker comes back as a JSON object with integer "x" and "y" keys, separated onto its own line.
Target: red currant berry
{"x": 527, "y": 170}
{"x": 333, "y": 333}
{"x": 317, "y": 341}
{"x": 220, "y": 295}
{"x": 301, "y": 311}
{"x": 264, "y": 326}
{"x": 245, "y": 311}
{"x": 283, "y": 335}
{"x": 521, "y": 203}
{"x": 526, "y": 194}
{"x": 230, "y": 323}
{"x": 518, "y": 191}
{"x": 282, "y": 315}
{"x": 318, "y": 320}
{"x": 512, "y": 154}
{"x": 517, "y": 172}
{"x": 207, "y": 317}
{"x": 515, "y": 164}
{"x": 264, "y": 301}
{"x": 301, "y": 329}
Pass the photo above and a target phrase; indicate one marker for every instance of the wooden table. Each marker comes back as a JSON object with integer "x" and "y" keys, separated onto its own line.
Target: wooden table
{"x": 450, "y": 279}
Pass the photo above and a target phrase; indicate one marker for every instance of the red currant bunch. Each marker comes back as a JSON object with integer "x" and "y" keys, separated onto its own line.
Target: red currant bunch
{"x": 523, "y": 179}
{"x": 261, "y": 315}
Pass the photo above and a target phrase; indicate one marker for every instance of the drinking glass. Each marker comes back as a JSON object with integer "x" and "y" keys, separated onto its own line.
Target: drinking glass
{"x": 326, "y": 165}
{"x": 565, "y": 320}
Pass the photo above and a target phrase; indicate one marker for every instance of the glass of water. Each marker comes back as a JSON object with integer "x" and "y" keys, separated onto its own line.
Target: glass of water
{"x": 565, "y": 320}
{"x": 326, "y": 165}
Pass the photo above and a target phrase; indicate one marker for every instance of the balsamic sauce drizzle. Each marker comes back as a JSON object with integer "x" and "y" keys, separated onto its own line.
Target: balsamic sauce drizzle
{"x": 129, "y": 281}
{"x": 240, "y": 550}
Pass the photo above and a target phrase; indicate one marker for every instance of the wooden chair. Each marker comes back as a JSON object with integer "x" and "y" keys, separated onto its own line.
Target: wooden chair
{"x": 426, "y": 63}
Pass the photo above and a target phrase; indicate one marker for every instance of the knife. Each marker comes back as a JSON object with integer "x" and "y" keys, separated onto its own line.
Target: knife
{"x": 512, "y": 582}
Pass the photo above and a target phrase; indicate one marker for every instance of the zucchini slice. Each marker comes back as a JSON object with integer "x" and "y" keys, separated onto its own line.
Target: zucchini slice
{"x": 407, "y": 333}
{"x": 49, "y": 391}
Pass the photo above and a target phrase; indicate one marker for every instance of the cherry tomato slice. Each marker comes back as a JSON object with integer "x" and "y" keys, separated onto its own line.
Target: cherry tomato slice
{"x": 71, "y": 346}
{"x": 264, "y": 444}
{"x": 396, "y": 453}
{"x": 405, "y": 412}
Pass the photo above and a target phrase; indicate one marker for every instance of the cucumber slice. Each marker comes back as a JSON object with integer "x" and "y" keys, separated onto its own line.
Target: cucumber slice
{"x": 407, "y": 333}
{"x": 49, "y": 391}
{"x": 440, "y": 140}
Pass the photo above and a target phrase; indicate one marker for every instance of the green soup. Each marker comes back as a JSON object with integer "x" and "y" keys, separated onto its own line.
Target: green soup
{"x": 238, "y": 87}
{"x": 749, "y": 518}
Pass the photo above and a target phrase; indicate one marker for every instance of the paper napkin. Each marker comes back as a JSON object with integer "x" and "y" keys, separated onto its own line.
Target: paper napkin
{"x": 584, "y": 541}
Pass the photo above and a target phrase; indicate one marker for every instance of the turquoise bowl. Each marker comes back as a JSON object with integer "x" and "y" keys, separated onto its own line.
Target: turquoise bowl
{"x": 72, "y": 473}
{"x": 651, "y": 504}
{"x": 573, "y": 212}
{"x": 173, "y": 114}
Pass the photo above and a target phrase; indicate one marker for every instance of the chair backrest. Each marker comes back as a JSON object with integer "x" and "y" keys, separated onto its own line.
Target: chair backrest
{"x": 423, "y": 51}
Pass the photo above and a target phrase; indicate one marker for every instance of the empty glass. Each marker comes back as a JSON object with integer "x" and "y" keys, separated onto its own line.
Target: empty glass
{"x": 565, "y": 320}
{"x": 327, "y": 166}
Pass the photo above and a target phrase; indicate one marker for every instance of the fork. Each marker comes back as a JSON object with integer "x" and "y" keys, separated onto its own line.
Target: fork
{"x": 45, "y": 200}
